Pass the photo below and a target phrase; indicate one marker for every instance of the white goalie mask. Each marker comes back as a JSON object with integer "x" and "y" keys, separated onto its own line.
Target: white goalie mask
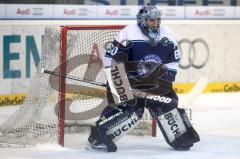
{"x": 146, "y": 14}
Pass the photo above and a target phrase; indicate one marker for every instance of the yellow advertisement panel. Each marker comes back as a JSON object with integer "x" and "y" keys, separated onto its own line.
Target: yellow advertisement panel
{"x": 180, "y": 88}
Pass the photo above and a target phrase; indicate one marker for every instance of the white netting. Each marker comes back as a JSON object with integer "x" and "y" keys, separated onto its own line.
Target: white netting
{"x": 37, "y": 119}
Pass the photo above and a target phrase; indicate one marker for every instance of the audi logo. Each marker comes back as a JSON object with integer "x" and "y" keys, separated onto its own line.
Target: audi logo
{"x": 218, "y": 12}
{"x": 170, "y": 12}
{"x": 37, "y": 11}
{"x": 195, "y": 53}
{"x": 125, "y": 12}
{"x": 82, "y": 11}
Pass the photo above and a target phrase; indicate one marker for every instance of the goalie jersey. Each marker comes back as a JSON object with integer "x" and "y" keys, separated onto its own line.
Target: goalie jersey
{"x": 138, "y": 47}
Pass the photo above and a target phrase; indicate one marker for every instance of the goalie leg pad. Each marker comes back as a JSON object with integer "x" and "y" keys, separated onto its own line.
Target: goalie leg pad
{"x": 117, "y": 123}
{"x": 112, "y": 125}
{"x": 121, "y": 123}
{"x": 177, "y": 129}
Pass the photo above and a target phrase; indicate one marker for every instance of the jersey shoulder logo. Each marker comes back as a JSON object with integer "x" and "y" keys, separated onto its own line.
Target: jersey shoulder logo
{"x": 166, "y": 42}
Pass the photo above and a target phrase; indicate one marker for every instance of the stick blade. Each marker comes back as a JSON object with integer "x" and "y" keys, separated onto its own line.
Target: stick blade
{"x": 188, "y": 99}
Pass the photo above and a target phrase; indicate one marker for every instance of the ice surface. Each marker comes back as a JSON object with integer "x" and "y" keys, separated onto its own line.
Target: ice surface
{"x": 215, "y": 116}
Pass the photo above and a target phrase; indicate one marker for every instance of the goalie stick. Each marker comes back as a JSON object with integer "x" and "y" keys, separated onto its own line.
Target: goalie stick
{"x": 186, "y": 100}
{"x": 73, "y": 78}
{"x": 102, "y": 86}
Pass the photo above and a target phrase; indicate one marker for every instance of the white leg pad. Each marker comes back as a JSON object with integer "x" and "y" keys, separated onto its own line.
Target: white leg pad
{"x": 172, "y": 124}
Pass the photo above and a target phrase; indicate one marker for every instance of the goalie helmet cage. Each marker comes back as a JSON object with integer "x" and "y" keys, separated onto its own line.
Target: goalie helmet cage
{"x": 55, "y": 105}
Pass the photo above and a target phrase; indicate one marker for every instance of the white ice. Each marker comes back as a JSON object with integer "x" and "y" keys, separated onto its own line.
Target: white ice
{"x": 215, "y": 116}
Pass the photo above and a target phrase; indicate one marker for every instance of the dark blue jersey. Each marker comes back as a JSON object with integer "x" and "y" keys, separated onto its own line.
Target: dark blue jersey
{"x": 133, "y": 42}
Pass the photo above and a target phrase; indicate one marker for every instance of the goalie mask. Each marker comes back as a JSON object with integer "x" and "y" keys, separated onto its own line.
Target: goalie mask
{"x": 148, "y": 19}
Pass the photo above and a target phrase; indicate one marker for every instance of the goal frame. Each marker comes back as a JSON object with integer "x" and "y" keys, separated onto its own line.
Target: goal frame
{"x": 62, "y": 81}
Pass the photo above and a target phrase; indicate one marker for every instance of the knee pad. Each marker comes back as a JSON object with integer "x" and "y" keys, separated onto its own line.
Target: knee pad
{"x": 177, "y": 129}
{"x": 121, "y": 123}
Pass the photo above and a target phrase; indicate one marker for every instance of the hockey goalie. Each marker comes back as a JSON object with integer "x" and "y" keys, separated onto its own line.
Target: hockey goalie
{"x": 148, "y": 53}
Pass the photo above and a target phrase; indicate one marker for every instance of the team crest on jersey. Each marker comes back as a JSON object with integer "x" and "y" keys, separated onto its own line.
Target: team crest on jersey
{"x": 165, "y": 42}
{"x": 151, "y": 58}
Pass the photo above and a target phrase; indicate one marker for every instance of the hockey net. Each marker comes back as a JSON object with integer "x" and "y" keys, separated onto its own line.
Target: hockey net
{"x": 56, "y": 105}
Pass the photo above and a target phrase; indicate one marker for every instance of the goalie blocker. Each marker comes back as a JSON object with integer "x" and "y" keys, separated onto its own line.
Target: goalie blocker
{"x": 118, "y": 83}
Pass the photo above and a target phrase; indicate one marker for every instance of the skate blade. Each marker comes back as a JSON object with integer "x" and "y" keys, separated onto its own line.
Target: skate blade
{"x": 101, "y": 147}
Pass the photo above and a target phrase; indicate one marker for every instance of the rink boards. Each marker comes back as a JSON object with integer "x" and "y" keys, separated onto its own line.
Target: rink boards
{"x": 209, "y": 48}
